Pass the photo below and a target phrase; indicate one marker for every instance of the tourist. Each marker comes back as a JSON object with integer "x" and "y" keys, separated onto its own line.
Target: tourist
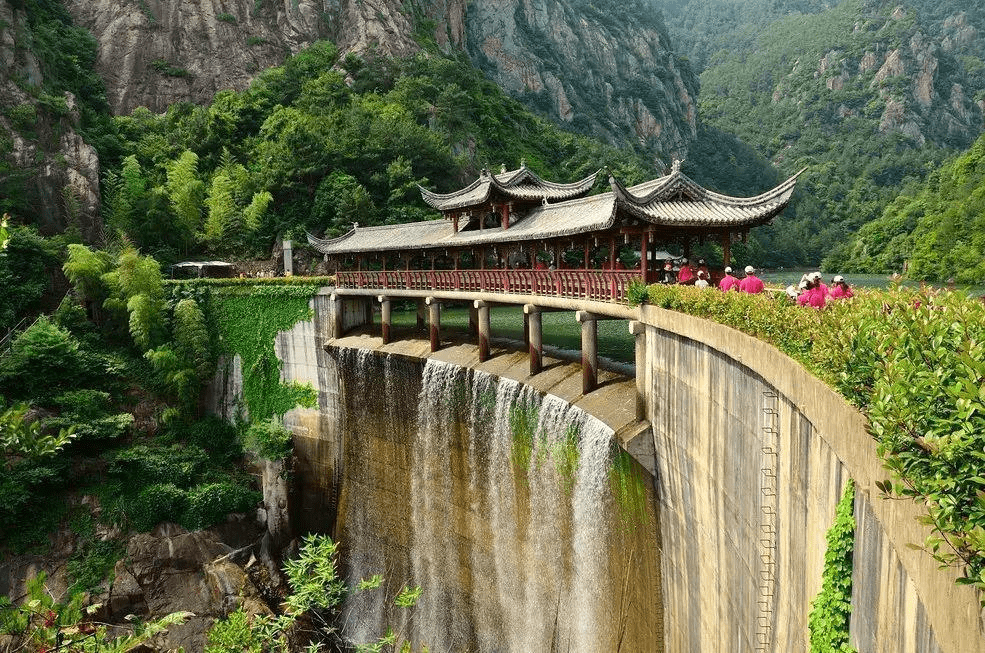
{"x": 703, "y": 267}
{"x": 816, "y": 278}
{"x": 840, "y": 289}
{"x": 667, "y": 275}
{"x": 729, "y": 282}
{"x": 751, "y": 283}
{"x": 686, "y": 274}
{"x": 702, "y": 281}
{"x": 813, "y": 295}
{"x": 792, "y": 292}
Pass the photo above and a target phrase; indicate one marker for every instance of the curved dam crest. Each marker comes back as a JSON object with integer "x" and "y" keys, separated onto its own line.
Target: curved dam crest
{"x": 716, "y": 403}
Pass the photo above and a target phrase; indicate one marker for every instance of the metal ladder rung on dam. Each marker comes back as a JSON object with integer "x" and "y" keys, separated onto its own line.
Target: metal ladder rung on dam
{"x": 769, "y": 458}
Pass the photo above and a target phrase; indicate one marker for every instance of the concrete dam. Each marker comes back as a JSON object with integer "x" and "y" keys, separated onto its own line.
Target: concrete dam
{"x": 536, "y": 517}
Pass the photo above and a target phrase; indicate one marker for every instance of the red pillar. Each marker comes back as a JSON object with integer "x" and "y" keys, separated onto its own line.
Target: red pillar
{"x": 644, "y": 265}
{"x": 504, "y": 210}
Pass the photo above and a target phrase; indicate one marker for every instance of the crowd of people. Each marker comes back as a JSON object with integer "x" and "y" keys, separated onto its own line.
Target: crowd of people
{"x": 811, "y": 291}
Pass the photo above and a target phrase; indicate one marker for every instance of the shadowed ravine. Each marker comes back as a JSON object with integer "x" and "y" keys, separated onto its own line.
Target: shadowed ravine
{"x": 521, "y": 520}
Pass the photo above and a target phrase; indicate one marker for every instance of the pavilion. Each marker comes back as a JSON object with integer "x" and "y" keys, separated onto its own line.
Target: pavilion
{"x": 514, "y": 220}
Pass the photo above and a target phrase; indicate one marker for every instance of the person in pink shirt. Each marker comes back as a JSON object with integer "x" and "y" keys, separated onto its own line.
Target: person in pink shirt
{"x": 840, "y": 289}
{"x": 819, "y": 283}
{"x": 729, "y": 282}
{"x": 686, "y": 273}
{"x": 751, "y": 283}
{"x": 812, "y": 294}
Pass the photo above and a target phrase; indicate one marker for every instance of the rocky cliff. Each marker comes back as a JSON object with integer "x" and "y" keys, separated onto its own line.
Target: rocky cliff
{"x": 609, "y": 71}
{"x": 45, "y": 166}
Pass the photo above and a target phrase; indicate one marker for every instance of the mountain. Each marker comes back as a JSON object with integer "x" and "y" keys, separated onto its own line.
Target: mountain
{"x": 602, "y": 68}
{"x": 52, "y": 112}
{"x": 869, "y": 96}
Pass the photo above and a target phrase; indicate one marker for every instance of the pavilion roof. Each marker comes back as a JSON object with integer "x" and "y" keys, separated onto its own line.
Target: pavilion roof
{"x": 521, "y": 184}
{"x": 670, "y": 202}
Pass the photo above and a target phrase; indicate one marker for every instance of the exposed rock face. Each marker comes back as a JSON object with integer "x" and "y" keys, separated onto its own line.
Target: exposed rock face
{"x": 613, "y": 77}
{"x": 59, "y": 171}
{"x": 155, "y": 53}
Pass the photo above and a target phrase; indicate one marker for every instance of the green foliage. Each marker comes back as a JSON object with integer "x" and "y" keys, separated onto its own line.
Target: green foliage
{"x": 316, "y": 594}
{"x": 937, "y": 227}
{"x": 831, "y": 609}
{"x": 93, "y": 559}
{"x": 269, "y": 439}
{"x": 636, "y": 292}
{"x": 157, "y": 503}
{"x": 626, "y": 480}
{"x": 247, "y": 319}
{"x": 22, "y": 437}
{"x": 26, "y": 261}
{"x": 226, "y": 17}
{"x": 44, "y": 360}
{"x": 914, "y": 362}
{"x": 208, "y": 504}
{"x": 45, "y": 625}
{"x": 166, "y": 68}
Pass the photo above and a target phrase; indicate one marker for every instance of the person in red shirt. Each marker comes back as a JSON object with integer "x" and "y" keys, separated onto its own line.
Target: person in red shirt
{"x": 812, "y": 294}
{"x": 686, "y": 273}
{"x": 840, "y": 290}
{"x": 751, "y": 283}
{"x": 729, "y": 282}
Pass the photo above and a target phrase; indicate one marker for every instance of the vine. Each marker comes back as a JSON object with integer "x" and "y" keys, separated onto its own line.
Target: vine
{"x": 832, "y": 607}
{"x": 247, "y": 318}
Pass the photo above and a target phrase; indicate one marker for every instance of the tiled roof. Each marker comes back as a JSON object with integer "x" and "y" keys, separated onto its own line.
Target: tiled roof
{"x": 519, "y": 184}
{"x": 672, "y": 201}
{"x": 551, "y": 221}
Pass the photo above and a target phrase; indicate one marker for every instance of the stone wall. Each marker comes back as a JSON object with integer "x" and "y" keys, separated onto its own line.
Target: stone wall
{"x": 705, "y": 398}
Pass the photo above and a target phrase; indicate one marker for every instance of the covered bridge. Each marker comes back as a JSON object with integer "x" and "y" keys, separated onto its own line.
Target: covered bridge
{"x": 515, "y": 232}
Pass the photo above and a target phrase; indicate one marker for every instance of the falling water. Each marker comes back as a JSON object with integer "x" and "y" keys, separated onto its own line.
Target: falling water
{"x": 500, "y": 510}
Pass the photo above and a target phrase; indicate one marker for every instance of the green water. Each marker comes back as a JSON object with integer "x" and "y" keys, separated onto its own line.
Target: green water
{"x": 787, "y": 276}
{"x": 560, "y": 329}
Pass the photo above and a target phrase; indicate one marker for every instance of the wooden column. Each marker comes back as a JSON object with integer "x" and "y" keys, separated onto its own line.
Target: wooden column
{"x": 385, "y": 319}
{"x": 589, "y": 350}
{"x": 644, "y": 253}
{"x": 585, "y": 264}
{"x": 483, "y": 315}
{"x": 454, "y": 222}
{"x": 434, "y": 322}
{"x": 535, "y": 341}
{"x": 612, "y": 253}
{"x": 638, "y": 329}
{"x": 727, "y": 248}
{"x": 504, "y": 217}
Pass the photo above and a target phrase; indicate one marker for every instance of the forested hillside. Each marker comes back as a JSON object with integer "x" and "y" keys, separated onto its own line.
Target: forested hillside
{"x": 937, "y": 229}
{"x": 870, "y": 96}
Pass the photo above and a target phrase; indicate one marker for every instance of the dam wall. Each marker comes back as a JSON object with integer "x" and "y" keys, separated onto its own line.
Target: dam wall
{"x": 749, "y": 456}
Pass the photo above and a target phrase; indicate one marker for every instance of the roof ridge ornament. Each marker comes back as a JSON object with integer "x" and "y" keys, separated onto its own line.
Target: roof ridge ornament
{"x": 676, "y": 165}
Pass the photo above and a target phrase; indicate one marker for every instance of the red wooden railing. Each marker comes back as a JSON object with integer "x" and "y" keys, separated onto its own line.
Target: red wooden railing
{"x": 603, "y": 285}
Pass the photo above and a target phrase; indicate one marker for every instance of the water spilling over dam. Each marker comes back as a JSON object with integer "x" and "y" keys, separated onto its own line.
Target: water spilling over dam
{"x": 525, "y": 526}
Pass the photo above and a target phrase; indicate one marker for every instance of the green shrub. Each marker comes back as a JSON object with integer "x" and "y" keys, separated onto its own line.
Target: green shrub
{"x": 210, "y": 503}
{"x": 44, "y": 361}
{"x": 226, "y": 18}
{"x": 156, "y": 503}
{"x": 269, "y": 439}
{"x": 212, "y": 434}
{"x": 177, "y": 464}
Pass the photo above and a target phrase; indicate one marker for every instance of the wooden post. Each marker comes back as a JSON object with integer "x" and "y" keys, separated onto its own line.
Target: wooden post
{"x": 586, "y": 255}
{"x": 535, "y": 341}
{"x": 727, "y": 248}
{"x": 483, "y": 314}
{"x": 454, "y": 222}
{"x": 589, "y": 351}
{"x": 638, "y": 329}
{"x": 505, "y": 215}
{"x": 434, "y": 320}
{"x": 385, "y": 320}
{"x": 644, "y": 253}
{"x": 612, "y": 253}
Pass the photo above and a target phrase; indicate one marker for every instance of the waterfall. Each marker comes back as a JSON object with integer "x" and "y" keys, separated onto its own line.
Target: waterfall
{"x": 499, "y": 509}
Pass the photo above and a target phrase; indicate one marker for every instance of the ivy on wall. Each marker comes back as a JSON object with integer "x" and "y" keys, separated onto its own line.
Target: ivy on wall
{"x": 832, "y": 607}
{"x": 246, "y": 317}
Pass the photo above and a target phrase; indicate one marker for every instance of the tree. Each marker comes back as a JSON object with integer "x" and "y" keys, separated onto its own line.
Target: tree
{"x": 186, "y": 193}
{"x": 339, "y": 201}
